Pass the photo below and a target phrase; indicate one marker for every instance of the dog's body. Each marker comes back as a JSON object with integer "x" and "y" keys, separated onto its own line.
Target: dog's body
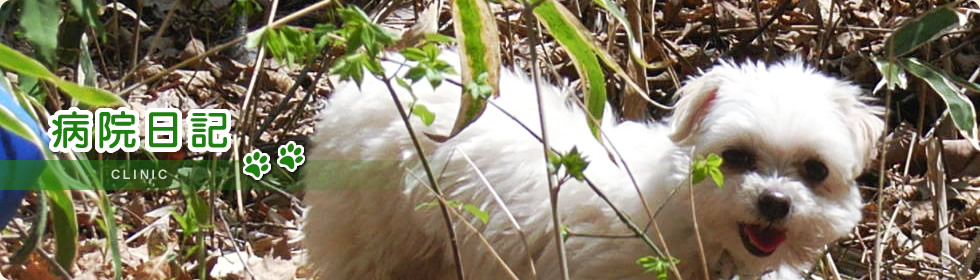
{"x": 366, "y": 180}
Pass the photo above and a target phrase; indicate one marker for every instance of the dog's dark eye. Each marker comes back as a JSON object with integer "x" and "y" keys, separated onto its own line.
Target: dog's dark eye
{"x": 814, "y": 171}
{"x": 738, "y": 159}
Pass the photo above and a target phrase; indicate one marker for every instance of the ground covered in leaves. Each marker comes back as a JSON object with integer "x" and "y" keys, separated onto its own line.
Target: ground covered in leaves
{"x": 257, "y": 233}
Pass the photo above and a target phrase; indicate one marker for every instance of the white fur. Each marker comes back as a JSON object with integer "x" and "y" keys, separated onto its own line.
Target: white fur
{"x": 363, "y": 224}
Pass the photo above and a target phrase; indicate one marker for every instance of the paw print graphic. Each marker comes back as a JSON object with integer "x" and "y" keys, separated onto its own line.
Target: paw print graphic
{"x": 256, "y": 164}
{"x": 291, "y": 156}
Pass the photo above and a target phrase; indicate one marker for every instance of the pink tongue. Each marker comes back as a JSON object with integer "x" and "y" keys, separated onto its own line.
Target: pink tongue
{"x": 765, "y": 238}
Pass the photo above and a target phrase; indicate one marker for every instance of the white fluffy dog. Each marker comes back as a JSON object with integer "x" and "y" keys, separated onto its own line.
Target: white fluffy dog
{"x": 792, "y": 141}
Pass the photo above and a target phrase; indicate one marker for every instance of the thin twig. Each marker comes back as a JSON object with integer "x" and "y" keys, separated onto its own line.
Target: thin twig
{"x": 545, "y": 148}
{"x": 639, "y": 233}
{"x": 876, "y": 272}
{"x": 248, "y": 107}
{"x": 483, "y": 239}
{"x": 434, "y": 185}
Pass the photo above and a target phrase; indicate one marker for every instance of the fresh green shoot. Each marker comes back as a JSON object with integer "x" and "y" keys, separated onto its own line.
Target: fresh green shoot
{"x": 291, "y": 45}
{"x": 363, "y": 40}
{"x": 423, "y": 113}
{"x": 657, "y": 266}
{"x": 479, "y": 89}
{"x": 428, "y": 65}
{"x": 565, "y": 233}
{"x": 710, "y": 166}
{"x": 572, "y": 162}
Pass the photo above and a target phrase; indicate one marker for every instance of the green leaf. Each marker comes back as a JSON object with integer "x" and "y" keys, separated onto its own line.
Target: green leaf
{"x": 88, "y": 10}
{"x": 657, "y": 266}
{"x": 575, "y": 164}
{"x": 479, "y": 89}
{"x": 415, "y": 74}
{"x": 709, "y": 166}
{"x": 349, "y": 67}
{"x": 620, "y": 16}
{"x": 717, "y": 176}
{"x": 10, "y": 122}
{"x": 111, "y": 232}
{"x": 714, "y": 169}
{"x": 413, "y": 54}
{"x": 14, "y": 60}
{"x": 24, "y": 65}
{"x": 65, "y": 225}
{"x": 39, "y": 18}
{"x": 477, "y": 212}
{"x": 88, "y": 95}
{"x": 423, "y": 113}
{"x": 891, "y": 75}
{"x": 292, "y": 45}
{"x": 564, "y": 232}
{"x": 476, "y": 30}
{"x": 922, "y": 30}
{"x": 960, "y": 107}
{"x": 576, "y": 39}
{"x": 402, "y": 83}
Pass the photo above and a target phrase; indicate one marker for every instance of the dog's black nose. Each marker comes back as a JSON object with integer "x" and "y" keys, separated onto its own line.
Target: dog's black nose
{"x": 773, "y": 205}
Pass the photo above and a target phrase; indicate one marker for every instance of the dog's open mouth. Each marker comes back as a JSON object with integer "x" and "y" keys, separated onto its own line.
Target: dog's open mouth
{"x": 761, "y": 240}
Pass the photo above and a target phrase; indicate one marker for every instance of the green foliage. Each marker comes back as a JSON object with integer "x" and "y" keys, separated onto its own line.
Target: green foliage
{"x": 656, "y": 266}
{"x": 565, "y": 233}
{"x": 364, "y": 41}
{"x": 928, "y": 27}
{"x": 65, "y": 227}
{"x": 620, "y": 15}
{"x": 577, "y": 40}
{"x": 479, "y": 54}
{"x": 246, "y": 8}
{"x": 474, "y": 210}
{"x": 479, "y": 89}
{"x": 710, "y": 166}
{"x": 359, "y": 32}
{"x": 960, "y": 107}
{"x": 427, "y": 64}
{"x": 36, "y": 18}
{"x": 24, "y": 65}
{"x": 911, "y": 36}
{"x": 572, "y": 162}
{"x": 423, "y": 113}
{"x": 88, "y": 11}
{"x": 291, "y": 45}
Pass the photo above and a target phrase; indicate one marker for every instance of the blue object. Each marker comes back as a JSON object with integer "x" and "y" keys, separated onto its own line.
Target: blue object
{"x": 20, "y": 174}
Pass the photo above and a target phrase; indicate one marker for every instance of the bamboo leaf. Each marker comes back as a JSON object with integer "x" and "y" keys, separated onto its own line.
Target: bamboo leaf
{"x": 39, "y": 18}
{"x": 891, "y": 75}
{"x": 922, "y": 30}
{"x": 476, "y": 30}
{"x": 65, "y": 225}
{"x": 620, "y": 16}
{"x": 14, "y": 60}
{"x": 960, "y": 108}
{"x": 9, "y": 121}
{"x": 572, "y": 36}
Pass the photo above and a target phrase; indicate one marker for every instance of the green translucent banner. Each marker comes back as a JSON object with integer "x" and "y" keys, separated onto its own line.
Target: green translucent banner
{"x": 200, "y": 174}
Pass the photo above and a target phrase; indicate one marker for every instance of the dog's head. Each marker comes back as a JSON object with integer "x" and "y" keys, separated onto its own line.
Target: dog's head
{"x": 792, "y": 141}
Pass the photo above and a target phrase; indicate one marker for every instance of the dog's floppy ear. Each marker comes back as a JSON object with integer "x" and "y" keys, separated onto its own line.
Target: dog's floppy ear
{"x": 863, "y": 120}
{"x": 696, "y": 97}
